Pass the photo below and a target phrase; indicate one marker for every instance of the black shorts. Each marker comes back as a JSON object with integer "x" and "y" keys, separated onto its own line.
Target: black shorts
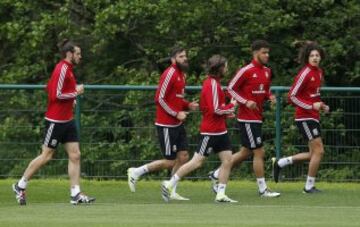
{"x": 213, "y": 143}
{"x": 309, "y": 129}
{"x": 250, "y": 133}
{"x": 172, "y": 140}
{"x": 56, "y": 133}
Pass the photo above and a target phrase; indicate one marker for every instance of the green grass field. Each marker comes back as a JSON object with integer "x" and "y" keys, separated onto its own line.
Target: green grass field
{"x": 48, "y": 205}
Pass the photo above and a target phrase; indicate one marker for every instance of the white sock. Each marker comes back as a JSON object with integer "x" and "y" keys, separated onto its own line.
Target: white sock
{"x": 174, "y": 180}
{"x": 261, "y": 184}
{"x": 75, "y": 190}
{"x": 310, "y": 182}
{"x": 216, "y": 173}
{"x": 22, "y": 183}
{"x": 141, "y": 170}
{"x": 174, "y": 189}
{"x": 285, "y": 161}
{"x": 221, "y": 188}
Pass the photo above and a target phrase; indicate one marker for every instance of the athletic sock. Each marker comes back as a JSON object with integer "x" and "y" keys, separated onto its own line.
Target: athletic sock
{"x": 310, "y": 182}
{"x": 174, "y": 180}
{"x": 22, "y": 183}
{"x": 75, "y": 190}
{"x": 174, "y": 189}
{"x": 261, "y": 184}
{"x": 221, "y": 188}
{"x": 216, "y": 173}
{"x": 285, "y": 161}
{"x": 141, "y": 170}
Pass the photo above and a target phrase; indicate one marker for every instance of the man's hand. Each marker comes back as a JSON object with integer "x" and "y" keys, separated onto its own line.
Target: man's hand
{"x": 80, "y": 89}
{"x": 251, "y": 105}
{"x": 317, "y": 105}
{"x": 194, "y": 105}
{"x": 272, "y": 99}
{"x": 325, "y": 108}
{"x": 182, "y": 115}
{"x": 320, "y": 106}
{"x": 234, "y": 102}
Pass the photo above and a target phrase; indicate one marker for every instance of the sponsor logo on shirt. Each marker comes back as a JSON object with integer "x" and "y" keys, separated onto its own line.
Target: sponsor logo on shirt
{"x": 260, "y": 90}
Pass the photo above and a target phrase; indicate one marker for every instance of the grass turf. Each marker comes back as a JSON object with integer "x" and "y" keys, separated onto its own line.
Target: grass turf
{"x": 48, "y": 205}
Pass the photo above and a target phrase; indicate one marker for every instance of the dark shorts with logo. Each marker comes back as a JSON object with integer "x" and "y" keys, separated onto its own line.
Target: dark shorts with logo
{"x": 56, "y": 133}
{"x": 250, "y": 134}
{"x": 213, "y": 144}
{"x": 309, "y": 129}
{"x": 172, "y": 140}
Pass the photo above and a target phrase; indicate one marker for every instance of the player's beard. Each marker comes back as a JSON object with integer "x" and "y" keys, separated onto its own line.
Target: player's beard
{"x": 73, "y": 61}
{"x": 263, "y": 62}
{"x": 183, "y": 66}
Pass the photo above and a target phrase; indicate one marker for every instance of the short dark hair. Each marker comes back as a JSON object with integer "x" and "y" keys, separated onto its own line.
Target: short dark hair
{"x": 176, "y": 50}
{"x": 258, "y": 44}
{"x": 306, "y": 49}
{"x": 215, "y": 63}
{"x": 66, "y": 45}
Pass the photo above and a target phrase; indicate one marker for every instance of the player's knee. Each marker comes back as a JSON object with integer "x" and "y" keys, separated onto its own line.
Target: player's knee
{"x": 46, "y": 157}
{"x": 46, "y": 154}
{"x": 227, "y": 161}
{"x": 317, "y": 147}
{"x": 198, "y": 163}
{"x": 169, "y": 164}
{"x": 259, "y": 153}
{"x": 183, "y": 157}
{"x": 75, "y": 155}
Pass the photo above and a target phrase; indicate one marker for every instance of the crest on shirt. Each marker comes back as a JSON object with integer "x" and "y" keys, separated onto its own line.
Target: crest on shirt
{"x": 254, "y": 75}
{"x": 261, "y": 87}
{"x": 312, "y": 79}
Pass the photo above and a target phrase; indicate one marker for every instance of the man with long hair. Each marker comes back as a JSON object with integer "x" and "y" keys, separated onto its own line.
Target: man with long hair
{"x": 305, "y": 96}
{"x": 213, "y": 131}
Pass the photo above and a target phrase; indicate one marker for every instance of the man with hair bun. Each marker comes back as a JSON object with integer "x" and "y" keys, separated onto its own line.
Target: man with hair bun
{"x": 171, "y": 112}
{"x": 60, "y": 125}
{"x": 213, "y": 131}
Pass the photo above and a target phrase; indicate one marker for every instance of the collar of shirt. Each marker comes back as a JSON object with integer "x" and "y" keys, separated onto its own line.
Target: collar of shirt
{"x": 312, "y": 67}
{"x": 257, "y": 64}
{"x": 68, "y": 63}
{"x": 217, "y": 78}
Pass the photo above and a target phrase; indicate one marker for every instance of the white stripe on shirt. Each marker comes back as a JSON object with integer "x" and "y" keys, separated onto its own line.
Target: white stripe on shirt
{"x": 163, "y": 88}
{"x": 293, "y": 94}
{"x": 232, "y": 83}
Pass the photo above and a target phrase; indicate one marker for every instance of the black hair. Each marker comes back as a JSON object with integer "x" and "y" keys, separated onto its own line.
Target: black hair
{"x": 176, "y": 50}
{"x": 215, "y": 63}
{"x": 306, "y": 49}
{"x": 66, "y": 45}
{"x": 258, "y": 44}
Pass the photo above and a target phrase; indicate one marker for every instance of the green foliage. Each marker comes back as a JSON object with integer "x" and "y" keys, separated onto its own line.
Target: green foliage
{"x": 127, "y": 42}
